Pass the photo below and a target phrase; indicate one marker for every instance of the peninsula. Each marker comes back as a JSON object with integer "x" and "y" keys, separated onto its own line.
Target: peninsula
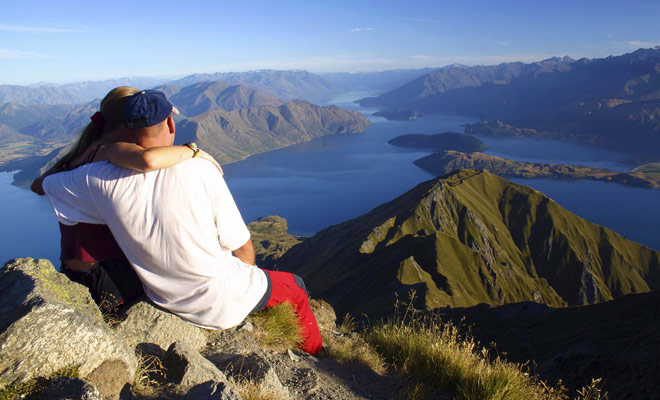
{"x": 443, "y": 162}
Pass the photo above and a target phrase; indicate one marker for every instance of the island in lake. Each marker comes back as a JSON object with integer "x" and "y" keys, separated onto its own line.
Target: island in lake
{"x": 440, "y": 141}
{"x": 443, "y": 162}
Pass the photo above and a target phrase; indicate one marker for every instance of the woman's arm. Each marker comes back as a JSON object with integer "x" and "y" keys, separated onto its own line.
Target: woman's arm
{"x": 133, "y": 156}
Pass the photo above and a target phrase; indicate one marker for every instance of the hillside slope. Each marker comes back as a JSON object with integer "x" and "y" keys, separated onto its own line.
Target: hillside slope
{"x": 234, "y": 135}
{"x": 616, "y": 340}
{"x": 468, "y": 238}
{"x": 203, "y": 97}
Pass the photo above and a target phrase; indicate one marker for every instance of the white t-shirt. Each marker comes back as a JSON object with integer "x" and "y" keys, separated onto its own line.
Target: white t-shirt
{"x": 177, "y": 227}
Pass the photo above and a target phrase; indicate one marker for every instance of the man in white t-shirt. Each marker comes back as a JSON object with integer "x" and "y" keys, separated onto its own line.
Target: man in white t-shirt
{"x": 180, "y": 229}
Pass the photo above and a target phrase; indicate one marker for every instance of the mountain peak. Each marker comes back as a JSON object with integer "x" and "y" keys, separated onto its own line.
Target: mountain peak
{"x": 466, "y": 238}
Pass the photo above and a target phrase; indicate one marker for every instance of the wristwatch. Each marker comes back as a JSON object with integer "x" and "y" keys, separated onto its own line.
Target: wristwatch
{"x": 193, "y": 146}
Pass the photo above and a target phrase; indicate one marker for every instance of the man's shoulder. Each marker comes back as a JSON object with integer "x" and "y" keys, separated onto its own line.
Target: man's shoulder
{"x": 197, "y": 166}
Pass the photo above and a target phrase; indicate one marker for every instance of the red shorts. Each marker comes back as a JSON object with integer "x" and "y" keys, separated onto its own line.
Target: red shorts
{"x": 289, "y": 287}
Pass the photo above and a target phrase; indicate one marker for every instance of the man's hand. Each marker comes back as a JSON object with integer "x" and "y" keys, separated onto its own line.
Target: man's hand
{"x": 206, "y": 156}
{"x": 245, "y": 253}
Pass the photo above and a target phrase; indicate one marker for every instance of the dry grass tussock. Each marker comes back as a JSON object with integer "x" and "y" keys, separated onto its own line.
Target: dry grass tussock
{"x": 437, "y": 357}
{"x": 253, "y": 391}
{"x": 350, "y": 346}
{"x": 149, "y": 375}
{"x": 277, "y": 327}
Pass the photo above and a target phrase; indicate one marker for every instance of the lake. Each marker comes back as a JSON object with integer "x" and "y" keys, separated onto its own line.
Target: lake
{"x": 335, "y": 178}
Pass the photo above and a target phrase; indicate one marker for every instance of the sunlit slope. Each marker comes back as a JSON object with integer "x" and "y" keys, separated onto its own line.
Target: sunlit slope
{"x": 234, "y": 135}
{"x": 468, "y": 238}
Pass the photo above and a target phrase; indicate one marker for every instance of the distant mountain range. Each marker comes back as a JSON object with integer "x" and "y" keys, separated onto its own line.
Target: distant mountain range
{"x": 230, "y": 122}
{"x": 459, "y": 76}
{"x": 285, "y": 85}
{"x": 202, "y": 97}
{"x": 613, "y": 101}
{"x": 376, "y": 82}
{"x": 467, "y": 238}
{"x": 70, "y": 93}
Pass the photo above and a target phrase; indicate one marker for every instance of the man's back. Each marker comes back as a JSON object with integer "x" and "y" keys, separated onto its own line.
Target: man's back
{"x": 178, "y": 227}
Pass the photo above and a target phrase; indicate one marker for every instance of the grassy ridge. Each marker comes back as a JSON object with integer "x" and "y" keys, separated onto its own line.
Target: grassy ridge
{"x": 469, "y": 238}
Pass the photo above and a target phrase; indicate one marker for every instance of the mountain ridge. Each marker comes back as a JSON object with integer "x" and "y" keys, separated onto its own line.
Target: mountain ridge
{"x": 613, "y": 101}
{"x": 466, "y": 238}
{"x": 234, "y": 135}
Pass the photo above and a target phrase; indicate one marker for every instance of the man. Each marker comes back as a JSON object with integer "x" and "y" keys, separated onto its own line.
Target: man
{"x": 180, "y": 229}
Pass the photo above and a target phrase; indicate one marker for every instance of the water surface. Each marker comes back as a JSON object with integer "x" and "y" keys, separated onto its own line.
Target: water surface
{"x": 335, "y": 178}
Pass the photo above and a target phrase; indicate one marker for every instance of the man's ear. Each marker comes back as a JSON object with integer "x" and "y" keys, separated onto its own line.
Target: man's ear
{"x": 171, "y": 124}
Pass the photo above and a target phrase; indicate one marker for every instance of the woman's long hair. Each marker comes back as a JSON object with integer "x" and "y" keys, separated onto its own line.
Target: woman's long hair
{"x": 112, "y": 110}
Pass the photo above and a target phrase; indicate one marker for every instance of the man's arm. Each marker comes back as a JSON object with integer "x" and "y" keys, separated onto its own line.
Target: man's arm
{"x": 245, "y": 253}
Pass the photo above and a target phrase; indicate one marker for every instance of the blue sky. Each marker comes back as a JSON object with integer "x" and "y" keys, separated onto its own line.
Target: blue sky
{"x": 66, "y": 41}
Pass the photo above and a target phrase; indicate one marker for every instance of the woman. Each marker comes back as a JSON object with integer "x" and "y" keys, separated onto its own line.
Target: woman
{"x": 89, "y": 252}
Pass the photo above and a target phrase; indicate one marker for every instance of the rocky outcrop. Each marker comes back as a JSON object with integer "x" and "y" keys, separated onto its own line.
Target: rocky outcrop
{"x": 146, "y": 323}
{"x": 48, "y": 323}
{"x": 271, "y": 239}
{"x": 53, "y": 337}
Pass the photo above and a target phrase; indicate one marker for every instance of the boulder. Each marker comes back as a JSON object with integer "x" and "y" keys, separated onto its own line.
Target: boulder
{"x": 48, "y": 323}
{"x": 187, "y": 368}
{"x": 146, "y": 323}
{"x": 255, "y": 369}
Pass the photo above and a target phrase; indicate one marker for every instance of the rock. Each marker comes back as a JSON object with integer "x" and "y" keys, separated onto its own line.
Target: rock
{"x": 48, "y": 323}
{"x": 107, "y": 381}
{"x": 247, "y": 326}
{"x": 292, "y": 355}
{"x": 324, "y": 314}
{"x": 146, "y": 323}
{"x": 212, "y": 391}
{"x": 254, "y": 368}
{"x": 66, "y": 388}
{"x": 187, "y": 368}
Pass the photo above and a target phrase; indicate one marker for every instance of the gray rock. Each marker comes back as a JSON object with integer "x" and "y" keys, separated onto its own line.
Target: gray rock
{"x": 292, "y": 356}
{"x": 324, "y": 314}
{"x": 48, "y": 323}
{"x": 187, "y": 368}
{"x": 212, "y": 391}
{"x": 254, "y": 368}
{"x": 65, "y": 388}
{"x": 146, "y": 323}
